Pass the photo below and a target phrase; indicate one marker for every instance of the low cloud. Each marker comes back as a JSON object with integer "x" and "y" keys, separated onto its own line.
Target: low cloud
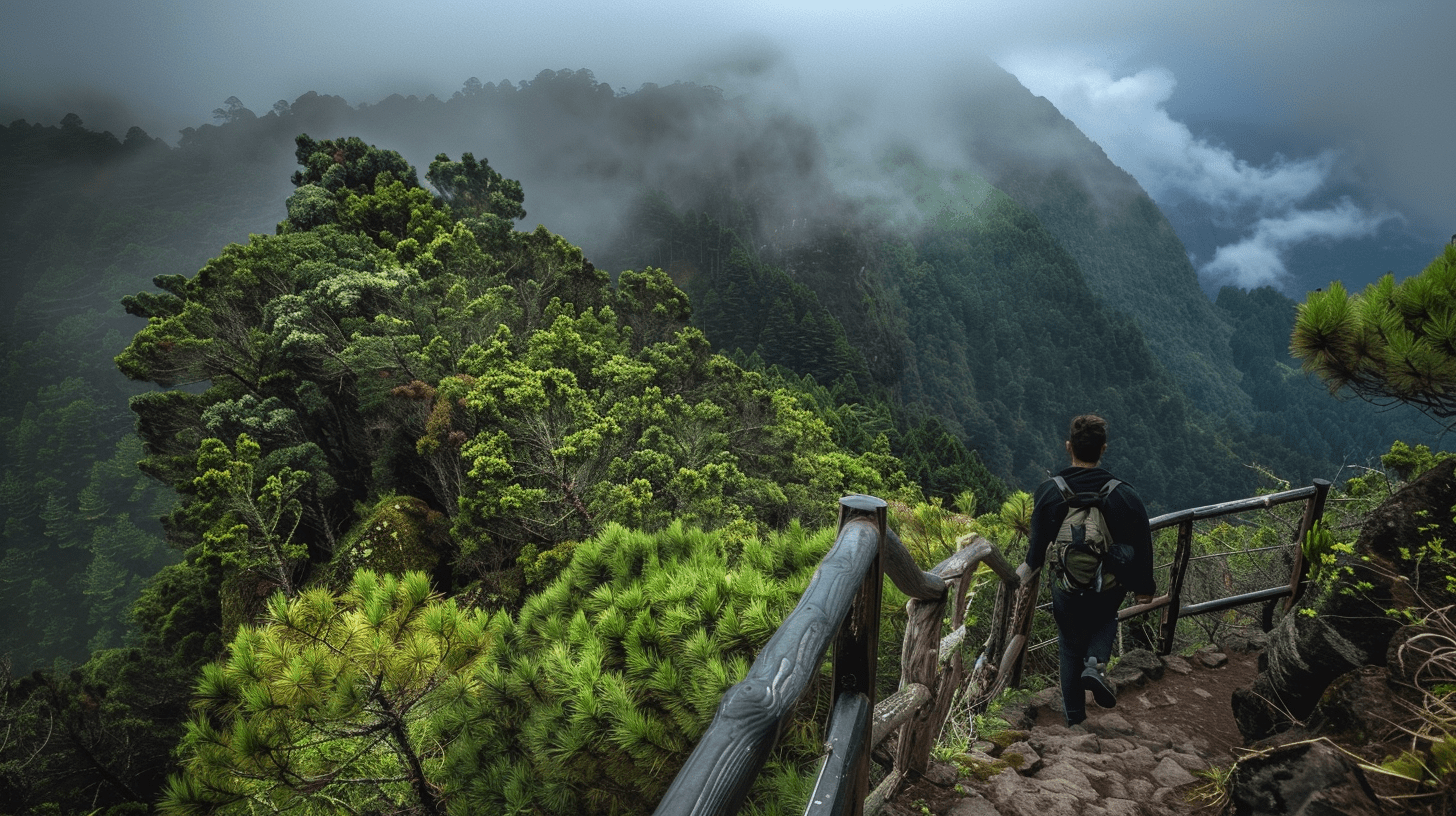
{"x": 1269, "y": 204}
{"x": 1258, "y": 260}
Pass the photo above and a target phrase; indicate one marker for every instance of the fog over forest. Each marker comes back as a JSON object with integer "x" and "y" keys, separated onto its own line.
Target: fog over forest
{"x": 1288, "y": 146}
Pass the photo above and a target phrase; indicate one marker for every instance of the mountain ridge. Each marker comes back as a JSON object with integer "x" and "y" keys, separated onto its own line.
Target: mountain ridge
{"x": 103, "y": 216}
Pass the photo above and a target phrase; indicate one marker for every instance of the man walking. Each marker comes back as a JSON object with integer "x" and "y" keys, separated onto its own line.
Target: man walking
{"x": 1076, "y": 514}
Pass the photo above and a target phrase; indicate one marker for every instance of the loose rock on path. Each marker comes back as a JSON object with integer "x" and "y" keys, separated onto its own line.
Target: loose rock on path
{"x": 1173, "y": 719}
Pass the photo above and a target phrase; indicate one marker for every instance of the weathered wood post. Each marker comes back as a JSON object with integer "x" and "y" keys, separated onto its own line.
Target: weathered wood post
{"x": 950, "y": 667}
{"x": 1175, "y": 586}
{"x": 856, "y": 647}
{"x": 920, "y": 664}
{"x": 1314, "y": 510}
{"x": 1000, "y": 620}
{"x": 1026, "y": 598}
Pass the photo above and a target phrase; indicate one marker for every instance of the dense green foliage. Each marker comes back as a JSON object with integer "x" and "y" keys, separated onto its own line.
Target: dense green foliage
{"x": 587, "y": 700}
{"x": 596, "y": 692}
{"x": 380, "y": 382}
{"x": 495, "y": 375}
{"x": 329, "y": 702}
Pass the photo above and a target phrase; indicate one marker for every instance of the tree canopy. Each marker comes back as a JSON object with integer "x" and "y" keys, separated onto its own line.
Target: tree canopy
{"x": 382, "y": 345}
{"x": 327, "y": 703}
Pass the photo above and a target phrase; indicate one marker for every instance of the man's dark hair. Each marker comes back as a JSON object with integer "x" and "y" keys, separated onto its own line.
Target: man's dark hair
{"x": 1088, "y": 434}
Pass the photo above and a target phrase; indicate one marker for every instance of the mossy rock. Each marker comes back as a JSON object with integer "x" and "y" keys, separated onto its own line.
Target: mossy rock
{"x": 397, "y": 535}
{"x": 1004, "y": 739}
{"x": 982, "y": 768}
{"x": 244, "y": 599}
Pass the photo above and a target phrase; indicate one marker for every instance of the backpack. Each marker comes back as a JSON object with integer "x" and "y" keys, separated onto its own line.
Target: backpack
{"x": 1083, "y": 543}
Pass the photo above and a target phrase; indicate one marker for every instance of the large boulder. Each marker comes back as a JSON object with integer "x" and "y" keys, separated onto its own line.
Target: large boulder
{"x": 1301, "y": 779}
{"x": 1304, "y": 656}
{"x": 398, "y": 534}
{"x": 1393, "y": 567}
{"x": 1361, "y": 709}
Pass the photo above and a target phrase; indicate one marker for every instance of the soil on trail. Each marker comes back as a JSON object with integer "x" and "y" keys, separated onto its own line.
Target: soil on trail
{"x": 1187, "y": 714}
{"x": 1197, "y": 704}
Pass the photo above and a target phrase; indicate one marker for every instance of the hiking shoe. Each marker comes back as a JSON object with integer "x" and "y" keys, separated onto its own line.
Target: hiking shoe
{"x": 1095, "y": 681}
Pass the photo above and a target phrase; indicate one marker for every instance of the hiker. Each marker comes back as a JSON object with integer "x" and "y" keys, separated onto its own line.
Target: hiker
{"x": 1088, "y": 586}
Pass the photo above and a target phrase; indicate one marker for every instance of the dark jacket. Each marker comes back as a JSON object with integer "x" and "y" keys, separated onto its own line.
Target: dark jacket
{"x": 1127, "y": 521}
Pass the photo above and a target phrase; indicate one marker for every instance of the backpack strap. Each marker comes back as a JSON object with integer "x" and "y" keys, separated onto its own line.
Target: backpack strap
{"x": 1067, "y": 494}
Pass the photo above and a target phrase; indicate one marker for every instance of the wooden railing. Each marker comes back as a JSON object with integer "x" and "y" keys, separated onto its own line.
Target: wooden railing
{"x": 842, "y": 605}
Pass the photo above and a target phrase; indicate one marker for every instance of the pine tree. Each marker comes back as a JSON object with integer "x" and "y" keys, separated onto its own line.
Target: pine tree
{"x": 1391, "y": 343}
{"x": 328, "y": 704}
{"x": 594, "y": 695}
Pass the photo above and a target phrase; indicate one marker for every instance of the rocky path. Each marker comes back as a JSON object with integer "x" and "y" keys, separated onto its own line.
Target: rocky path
{"x": 1173, "y": 719}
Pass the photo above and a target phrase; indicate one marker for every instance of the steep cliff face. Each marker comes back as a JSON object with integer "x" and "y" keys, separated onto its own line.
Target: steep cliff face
{"x": 1126, "y": 248}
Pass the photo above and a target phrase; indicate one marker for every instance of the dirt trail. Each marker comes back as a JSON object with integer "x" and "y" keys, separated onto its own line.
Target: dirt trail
{"x": 1173, "y": 719}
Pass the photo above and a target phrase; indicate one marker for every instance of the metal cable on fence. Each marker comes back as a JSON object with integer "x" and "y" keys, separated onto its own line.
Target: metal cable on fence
{"x": 1237, "y": 552}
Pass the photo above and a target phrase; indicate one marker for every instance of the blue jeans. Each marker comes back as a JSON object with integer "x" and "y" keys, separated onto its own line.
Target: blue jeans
{"x": 1086, "y": 627}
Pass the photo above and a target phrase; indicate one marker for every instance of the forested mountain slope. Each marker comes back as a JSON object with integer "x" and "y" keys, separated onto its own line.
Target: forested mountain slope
{"x": 945, "y": 310}
{"x": 89, "y": 219}
{"x": 1124, "y": 245}
{"x": 980, "y": 318}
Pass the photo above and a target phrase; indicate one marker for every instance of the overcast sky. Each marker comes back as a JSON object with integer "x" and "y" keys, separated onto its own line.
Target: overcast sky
{"x": 1295, "y": 123}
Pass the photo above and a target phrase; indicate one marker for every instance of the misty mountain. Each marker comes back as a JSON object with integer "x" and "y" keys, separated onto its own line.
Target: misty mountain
{"x": 965, "y": 297}
{"x": 1129, "y": 253}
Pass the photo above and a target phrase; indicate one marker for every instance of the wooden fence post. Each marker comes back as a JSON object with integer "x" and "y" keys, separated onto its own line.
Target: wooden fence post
{"x": 1026, "y": 598}
{"x": 1000, "y": 619}
{"x": 948, "y": 677}
{"x": 1175, "y": 587}
{"x": 919, "y": 663}
{"x": 856, "y": 647}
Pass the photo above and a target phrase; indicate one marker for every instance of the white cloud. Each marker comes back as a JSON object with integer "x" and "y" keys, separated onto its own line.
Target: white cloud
{"x": 1258, "y": 260}
{"x": 1128, "y": 118}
